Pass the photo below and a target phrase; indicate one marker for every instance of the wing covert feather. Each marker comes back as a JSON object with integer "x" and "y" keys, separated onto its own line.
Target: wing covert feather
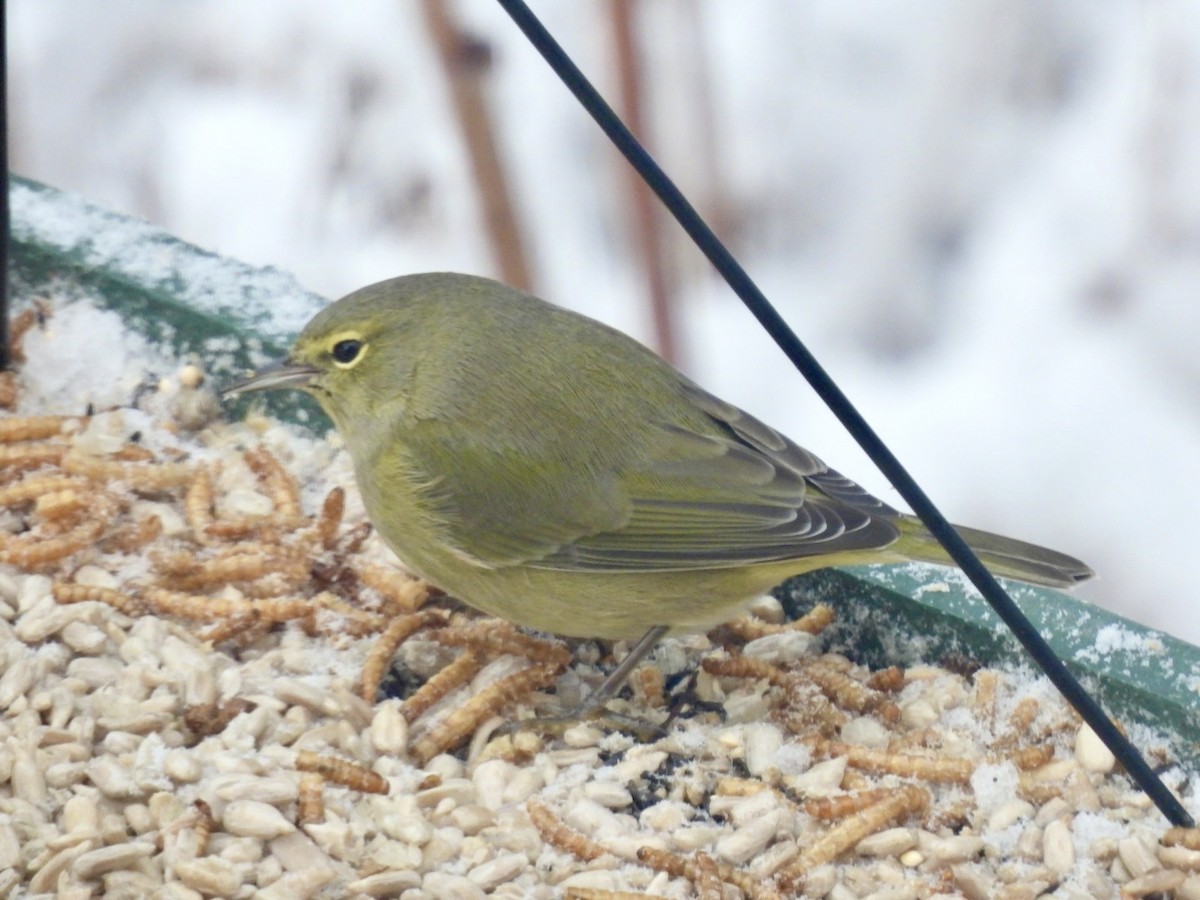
{"x": 729, "y": 492}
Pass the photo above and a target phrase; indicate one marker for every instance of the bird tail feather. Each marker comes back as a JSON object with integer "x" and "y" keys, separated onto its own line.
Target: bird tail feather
{"x": 1004, "y": 556}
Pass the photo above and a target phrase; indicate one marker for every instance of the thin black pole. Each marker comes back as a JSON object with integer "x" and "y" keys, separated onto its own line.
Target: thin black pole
{"x": 851, "y": 419}
{"x": 5, "y": 236}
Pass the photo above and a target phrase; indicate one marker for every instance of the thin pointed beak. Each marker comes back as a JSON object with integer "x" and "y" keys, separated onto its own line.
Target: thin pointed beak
{"x": 282, "y": 374}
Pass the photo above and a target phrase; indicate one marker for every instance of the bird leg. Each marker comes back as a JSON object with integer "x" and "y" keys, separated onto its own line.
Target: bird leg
{"x": 592, "y": 708}
{"x": 618, "y": 676}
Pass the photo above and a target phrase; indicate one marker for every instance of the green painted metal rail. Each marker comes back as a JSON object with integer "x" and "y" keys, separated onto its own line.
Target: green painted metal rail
{"x": 222, "y": 311}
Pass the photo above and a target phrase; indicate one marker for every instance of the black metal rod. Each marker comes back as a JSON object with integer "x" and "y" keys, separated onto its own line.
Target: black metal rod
{"x": 840, "y": 404}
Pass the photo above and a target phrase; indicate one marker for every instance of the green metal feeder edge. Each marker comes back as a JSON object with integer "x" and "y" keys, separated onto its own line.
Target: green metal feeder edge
{"x": 224, "y": 313}
{"x": 201, "y": 305}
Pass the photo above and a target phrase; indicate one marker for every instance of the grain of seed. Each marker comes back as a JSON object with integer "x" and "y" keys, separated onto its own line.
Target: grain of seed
{"x": 890, "y": 842}
{"x": 608, "y": 793}
{"x": 491, "y": 778}
{"x": 16, "y": 681}
{"x": 273, "y": 790}
{"x": 1161, "y": 881}
{"x": 95, "y": 863}
{"x": 1179, "y": 858}
{"x": 749, "y": 840}
{"x": 10, "y": 846}
{"x": 1091, "y": 752}
{"x": 252, "y": 818}
{"x": 389, "y": 728}
{"x": 1137, "y": 855}
{"x": 499, "y": 870}
{"x": 45, "y": 879}
{"x": 1058, "y": 848}
{"x": 298, "y": 885}
{"x": 385, "y": 884}
{"x": 950, "y": 848}
{"x": 1009, "y": 813}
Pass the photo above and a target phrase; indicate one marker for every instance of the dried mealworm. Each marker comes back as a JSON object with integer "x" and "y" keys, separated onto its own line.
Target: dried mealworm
{"x": 259, "y": 528}
{"x": 396, "y": 633}
{"x": 240, "y": 627}
{"x": 193, "y": 606}
{"x": 28, "y": 490}
{"x": 1028, "y": 758}
{"x": 889, "y": 680}
{"x": 280, "y": 485}
{"x": 815, "y": 621}
{"x": 32, "y": 551}
{"x": 848, "y": 693}
{"x": 201, "y": 608}
{"x": 900, "y": 803}
{"x": 207, "y": 719}
{"x": 32, "y": 428}
{"x": 330, "y": 519}
{"x": 198, "y": 505}
{"x": 81, "y": 593}
{"x": 854, "y": 781}
{"x": 441, "y": 683}
{"x": 808, "y": 711}
{"x": 141, "y": 477}
{"x": 310, "y": 803}
{"x": 740, "y": 787}
{"x": 683, "y": 867}
{"x": 174, "y": 562}
{"x": 30, "y": 456}
{"x": 62, "y": 508}
{"x": 133, "y": 453}
{"x": 1182, "y": 837}
{"x": 205, "y": 823}
{"x": 460, "y": 723}
{"x": 282, "y": 609}
{"x": 937, "y": 769}
{"x": 353, "y": 621}
{"x": 402, "y": 593}
{"x": 1023, "y": 715}
{"x": 352, "y": 541}
{"x": 495, "y": 637}
{"x": 649, "y": 686}
{"x": 342, "y": 771}
{"x": 845, "y": 805}
{"x": 131, "y": 538}
{"x": 557, "y": 833}
{"x": 747, "y": 667}
{"x": 236, "y": 567}
{"x": 705, "y": 877}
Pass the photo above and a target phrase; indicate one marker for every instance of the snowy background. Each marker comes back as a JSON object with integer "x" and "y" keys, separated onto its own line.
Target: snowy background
{"x": 984, "y": 217}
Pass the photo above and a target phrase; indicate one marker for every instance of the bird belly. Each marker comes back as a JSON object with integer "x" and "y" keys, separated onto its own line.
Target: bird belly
{"x": 602, "y": 604}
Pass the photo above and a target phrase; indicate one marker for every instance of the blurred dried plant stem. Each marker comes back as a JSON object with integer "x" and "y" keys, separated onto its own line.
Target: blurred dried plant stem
{"x": 466, "y": 61}
{"x": 644, "y": 210}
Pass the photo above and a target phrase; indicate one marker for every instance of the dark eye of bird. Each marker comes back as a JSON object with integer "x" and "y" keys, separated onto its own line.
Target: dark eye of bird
{"x": 347, "y": 351}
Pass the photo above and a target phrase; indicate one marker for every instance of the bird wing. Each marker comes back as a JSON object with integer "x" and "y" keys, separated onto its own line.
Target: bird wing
{"x": 735, "y": 494}
{"x": 723, "y": 492}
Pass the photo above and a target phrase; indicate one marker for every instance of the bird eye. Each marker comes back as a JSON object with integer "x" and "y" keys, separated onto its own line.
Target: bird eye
{"x": 345, "y": 352}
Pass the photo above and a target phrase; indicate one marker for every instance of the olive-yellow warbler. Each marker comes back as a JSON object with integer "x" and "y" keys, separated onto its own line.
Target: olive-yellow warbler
{"x": 550, "y": 470}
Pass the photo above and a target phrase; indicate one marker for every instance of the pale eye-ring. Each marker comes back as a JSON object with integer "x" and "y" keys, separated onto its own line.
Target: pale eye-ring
{"x": 347, "y": 351}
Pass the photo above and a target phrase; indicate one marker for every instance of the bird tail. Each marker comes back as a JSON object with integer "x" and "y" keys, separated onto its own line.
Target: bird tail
{"x": 1006, "y": 557}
